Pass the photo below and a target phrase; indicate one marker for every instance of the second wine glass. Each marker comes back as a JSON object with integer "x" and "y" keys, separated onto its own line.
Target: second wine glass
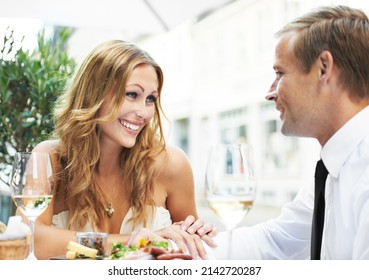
{"x": 230, "y": 183}
{"x": 31, "y": 186}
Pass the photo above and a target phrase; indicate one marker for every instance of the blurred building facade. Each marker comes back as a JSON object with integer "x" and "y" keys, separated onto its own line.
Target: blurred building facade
{"x": 217, "y": 72}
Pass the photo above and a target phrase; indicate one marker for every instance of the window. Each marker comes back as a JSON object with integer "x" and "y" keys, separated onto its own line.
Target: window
{"x": 181, "y": 132}
{"x": 233, "y": 126}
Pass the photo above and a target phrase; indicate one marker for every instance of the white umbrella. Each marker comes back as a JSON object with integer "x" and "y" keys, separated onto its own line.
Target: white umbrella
{"x": 133, "y": 18}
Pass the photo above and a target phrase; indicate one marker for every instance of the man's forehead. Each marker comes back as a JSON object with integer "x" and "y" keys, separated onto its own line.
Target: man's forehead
{"x": 285, "y": 45}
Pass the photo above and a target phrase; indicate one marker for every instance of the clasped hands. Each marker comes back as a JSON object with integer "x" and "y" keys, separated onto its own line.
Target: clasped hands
{"x": 188, "y": 235}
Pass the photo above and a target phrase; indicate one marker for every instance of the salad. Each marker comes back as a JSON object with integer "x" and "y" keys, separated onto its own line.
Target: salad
{"x": 146, "y": 249}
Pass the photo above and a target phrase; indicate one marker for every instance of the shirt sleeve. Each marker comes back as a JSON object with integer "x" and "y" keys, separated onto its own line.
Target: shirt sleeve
{"x": 286, "y": 237}
{"x": 361, "y": 214}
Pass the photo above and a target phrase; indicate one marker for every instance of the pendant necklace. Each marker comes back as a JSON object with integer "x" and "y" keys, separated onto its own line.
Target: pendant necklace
{"x": 110, "y": 209}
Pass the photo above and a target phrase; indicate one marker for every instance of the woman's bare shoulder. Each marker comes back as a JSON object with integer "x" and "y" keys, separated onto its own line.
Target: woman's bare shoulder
{"x": 47, "y": 146}
{"x": 173, "y": 160}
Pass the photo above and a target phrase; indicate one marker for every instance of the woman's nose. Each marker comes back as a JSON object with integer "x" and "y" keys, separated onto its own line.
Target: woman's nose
{"x": 141, "y": 112}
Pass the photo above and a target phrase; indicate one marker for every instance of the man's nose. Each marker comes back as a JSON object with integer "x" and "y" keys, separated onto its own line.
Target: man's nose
{"x": 272, "y": 96}
{"x": 272, "y": 92}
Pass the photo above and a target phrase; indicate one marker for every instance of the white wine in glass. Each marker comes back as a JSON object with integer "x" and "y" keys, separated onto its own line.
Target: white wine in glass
{"x": 230, "y": 183}
{"x": 32, "y": 184}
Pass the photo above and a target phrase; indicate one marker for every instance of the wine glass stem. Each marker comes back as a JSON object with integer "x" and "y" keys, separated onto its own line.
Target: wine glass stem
{"x": 229, "y": 253}
{"x": 31, "y": 255}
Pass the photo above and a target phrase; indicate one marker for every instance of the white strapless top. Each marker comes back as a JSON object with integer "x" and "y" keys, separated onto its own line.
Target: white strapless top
{"x": 160, "y": 220}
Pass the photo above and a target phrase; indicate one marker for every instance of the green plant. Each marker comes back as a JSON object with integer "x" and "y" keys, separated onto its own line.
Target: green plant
{"x": 30, "y": 81}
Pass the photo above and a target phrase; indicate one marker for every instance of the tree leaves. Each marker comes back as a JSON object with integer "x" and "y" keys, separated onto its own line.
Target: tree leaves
{"x": 30, "y": 82}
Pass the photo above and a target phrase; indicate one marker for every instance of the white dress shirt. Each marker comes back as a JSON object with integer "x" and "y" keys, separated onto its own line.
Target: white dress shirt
{"x": 346, "y": 226}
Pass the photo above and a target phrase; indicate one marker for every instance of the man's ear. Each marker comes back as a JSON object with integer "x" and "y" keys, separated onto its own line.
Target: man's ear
{"x": 325, "y": 63}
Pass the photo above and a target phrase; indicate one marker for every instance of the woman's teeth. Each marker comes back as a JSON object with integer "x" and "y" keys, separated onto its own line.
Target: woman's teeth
{"x": 129, "y": 125}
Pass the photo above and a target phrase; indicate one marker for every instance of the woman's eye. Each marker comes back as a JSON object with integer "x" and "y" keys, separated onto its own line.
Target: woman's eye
{"x": 131, "y": 94}
{"x": 151, "y": 99}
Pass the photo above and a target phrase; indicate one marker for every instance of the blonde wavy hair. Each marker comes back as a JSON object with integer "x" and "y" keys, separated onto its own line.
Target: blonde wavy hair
{"x": 103, "y": 75}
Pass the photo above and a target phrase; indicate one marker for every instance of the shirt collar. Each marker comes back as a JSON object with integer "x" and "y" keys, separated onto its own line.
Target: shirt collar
{"x": 339, "y": 147}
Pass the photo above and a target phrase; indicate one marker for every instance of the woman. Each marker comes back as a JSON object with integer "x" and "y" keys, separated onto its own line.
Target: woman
{"x": 114, "y": 171}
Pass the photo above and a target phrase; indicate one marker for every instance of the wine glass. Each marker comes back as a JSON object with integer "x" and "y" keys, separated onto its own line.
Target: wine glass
{"x": 230, "y": 184}
{"x": 31, "y": 185}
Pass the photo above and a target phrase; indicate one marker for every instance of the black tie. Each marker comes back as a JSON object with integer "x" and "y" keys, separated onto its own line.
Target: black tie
{"x": 321, "y": 174}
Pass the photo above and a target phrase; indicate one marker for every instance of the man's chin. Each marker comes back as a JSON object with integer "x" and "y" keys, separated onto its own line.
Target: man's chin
{"x": 287, "y": 131}
{"x": 293, "y": 132}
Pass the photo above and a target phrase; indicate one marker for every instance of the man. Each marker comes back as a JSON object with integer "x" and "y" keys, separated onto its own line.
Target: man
{"x": 321, "y": 90}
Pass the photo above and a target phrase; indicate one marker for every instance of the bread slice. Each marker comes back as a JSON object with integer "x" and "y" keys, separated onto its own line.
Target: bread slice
{"x": 82, "y": 250}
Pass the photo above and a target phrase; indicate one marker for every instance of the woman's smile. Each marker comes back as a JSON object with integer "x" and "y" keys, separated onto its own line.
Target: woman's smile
{"x": 129, "y": 125}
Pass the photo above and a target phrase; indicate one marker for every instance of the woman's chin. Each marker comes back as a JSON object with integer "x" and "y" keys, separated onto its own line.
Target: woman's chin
{"x": 129, "y": 144}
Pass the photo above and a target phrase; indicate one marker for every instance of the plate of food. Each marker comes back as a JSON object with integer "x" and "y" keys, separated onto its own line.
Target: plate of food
{"x": 144, "y": 250}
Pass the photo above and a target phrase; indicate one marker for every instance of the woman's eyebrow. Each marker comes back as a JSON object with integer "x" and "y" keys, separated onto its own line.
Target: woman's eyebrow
{"x": 137, "y": 86}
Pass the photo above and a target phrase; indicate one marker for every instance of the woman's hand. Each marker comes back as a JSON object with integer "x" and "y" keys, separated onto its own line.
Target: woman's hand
{"x": 145, "y": 233}
{"x": 205, "y": 231}
{"x": 185, "y": 241}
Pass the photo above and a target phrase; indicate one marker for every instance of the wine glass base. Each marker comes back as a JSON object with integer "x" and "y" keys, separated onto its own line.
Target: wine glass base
{"x": 31, "y": 257}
